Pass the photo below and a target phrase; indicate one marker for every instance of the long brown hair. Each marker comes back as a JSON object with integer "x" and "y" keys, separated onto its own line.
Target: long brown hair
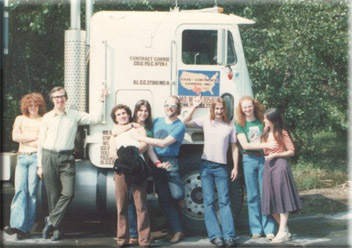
{"x": 274, "y": 116}
{"x": 137, "y": 107}
{"x": 212, "y": 110}
{"x": 258, "y": 110}
{"x": 35, "y": 98}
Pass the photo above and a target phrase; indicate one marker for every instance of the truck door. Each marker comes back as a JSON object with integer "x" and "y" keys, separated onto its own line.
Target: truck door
{"x": 205, "y": 57}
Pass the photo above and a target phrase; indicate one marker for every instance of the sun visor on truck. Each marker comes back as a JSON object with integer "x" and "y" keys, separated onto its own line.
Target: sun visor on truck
{"x": 240, "y": 20}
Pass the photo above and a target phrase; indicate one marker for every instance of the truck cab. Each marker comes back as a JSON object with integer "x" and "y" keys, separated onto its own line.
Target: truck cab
{"x": 152, "y": 55}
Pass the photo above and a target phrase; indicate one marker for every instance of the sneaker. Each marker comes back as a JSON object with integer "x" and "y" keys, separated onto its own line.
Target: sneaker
{"x": 256, "y": 236}
{"x": 270, "y": 236}
{"x": 9, "y": 230}
{"x": 22, "y": 235}
{"x": 230, "y": 242}
{"x": 56, "y": 236}
{"x": 217, "y": 242}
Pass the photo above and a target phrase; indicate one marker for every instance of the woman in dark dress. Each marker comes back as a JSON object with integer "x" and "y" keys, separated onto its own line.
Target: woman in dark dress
{"x": 279, "y": 190}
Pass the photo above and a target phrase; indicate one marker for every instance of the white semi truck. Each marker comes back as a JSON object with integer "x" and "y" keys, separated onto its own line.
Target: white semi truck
{"x": 151, "y": 55}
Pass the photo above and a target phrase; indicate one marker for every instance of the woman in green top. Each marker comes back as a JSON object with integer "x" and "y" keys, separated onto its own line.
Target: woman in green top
{"x": 142, "y": 116}
{"x": 249, "y": 128}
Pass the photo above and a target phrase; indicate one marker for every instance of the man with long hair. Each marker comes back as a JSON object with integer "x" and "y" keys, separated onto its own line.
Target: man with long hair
{"x": 219, "y": 133}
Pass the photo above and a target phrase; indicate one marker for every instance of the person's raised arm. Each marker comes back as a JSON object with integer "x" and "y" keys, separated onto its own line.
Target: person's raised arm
{"x": 188, "y": 118}
{"x": 96, "y": 117}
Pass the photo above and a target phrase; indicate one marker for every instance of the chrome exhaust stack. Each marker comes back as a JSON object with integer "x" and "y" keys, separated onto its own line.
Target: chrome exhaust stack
{"x": 75, "y": 75}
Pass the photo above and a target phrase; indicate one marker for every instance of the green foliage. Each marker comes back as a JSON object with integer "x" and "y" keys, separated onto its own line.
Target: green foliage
{"x": 297, "y": 56}
{"x": 35, "y": 61}
{"x": 326, "y": 165}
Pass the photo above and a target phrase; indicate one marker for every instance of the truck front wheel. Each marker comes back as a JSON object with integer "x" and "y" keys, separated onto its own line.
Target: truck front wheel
{"x": 193, "y": 214}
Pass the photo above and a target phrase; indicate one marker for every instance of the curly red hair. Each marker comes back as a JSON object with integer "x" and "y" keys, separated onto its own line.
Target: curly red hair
{"x": 258, "y": 110}
{"x": 35, "y": 98}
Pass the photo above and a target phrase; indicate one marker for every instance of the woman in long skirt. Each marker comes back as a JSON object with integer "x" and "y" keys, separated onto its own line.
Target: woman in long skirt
{"x": 279, "y": 190}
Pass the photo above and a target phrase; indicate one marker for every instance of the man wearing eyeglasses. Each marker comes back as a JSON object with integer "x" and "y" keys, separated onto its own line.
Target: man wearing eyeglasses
{"x": 56, "y": 163}
{"x": 163, "y": 150}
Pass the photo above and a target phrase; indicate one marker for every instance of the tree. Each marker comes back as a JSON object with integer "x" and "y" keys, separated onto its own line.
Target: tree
{"x": 297, "y": 56}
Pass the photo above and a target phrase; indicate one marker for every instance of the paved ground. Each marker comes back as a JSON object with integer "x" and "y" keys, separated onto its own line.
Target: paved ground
{"x": 313, "y": 228}
{"x": 310, "y": 230}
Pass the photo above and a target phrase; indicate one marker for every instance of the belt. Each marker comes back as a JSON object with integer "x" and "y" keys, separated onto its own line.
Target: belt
{"x": 257, "y": 154}
{"x": 59, "y": 151}
{"x": 26, "y": 153}
{"x": 212, "y": 162}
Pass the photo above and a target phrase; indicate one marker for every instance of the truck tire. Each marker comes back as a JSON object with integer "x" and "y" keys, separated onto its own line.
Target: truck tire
{"x": 192, "y": 216}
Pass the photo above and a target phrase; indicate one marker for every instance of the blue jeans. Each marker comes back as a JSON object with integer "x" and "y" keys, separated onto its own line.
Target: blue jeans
{"x": 170, "y": 189}
{"x": 253, "y": 167}
{"x": 24, "y": 203}
{"x": 132, "y": 216}
{"x": 215, "y": 175}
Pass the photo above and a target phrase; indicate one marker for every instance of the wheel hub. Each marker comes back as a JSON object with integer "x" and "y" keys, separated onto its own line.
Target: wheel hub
{"x": 193, "y": 196}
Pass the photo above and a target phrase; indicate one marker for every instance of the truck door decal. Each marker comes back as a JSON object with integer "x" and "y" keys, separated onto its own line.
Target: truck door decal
{"x": 192, "y": 83}
{"x": 104, "y": 149}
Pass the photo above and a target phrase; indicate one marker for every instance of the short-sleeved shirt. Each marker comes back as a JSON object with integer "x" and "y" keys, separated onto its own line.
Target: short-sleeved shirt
{"x": 253, "y": 131}
{"x": 285, "y": 146}
{"x": 217, "y": 136}
{"x": 161, "y": 130}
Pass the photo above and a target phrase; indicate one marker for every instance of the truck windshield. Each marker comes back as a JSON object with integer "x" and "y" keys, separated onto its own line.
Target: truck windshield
{"x": 199, "y": 47}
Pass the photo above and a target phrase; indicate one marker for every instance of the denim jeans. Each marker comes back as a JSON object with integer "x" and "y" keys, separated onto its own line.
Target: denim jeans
{"x": 170, "y": 189}
{"x": 24, "y": 203}
{"x": 253, "y": 167}
{"x": 132, "y": 216}
{"x": 215, "y": 175}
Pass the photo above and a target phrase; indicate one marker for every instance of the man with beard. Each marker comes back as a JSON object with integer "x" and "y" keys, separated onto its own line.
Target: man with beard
{"x": 163, "y": 150}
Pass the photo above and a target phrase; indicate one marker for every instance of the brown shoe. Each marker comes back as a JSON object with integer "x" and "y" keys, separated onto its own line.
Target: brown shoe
{"x": 181, "y": 204}
{"x": 9, "y": 230}
{"x": 177, "y": 237}
{"x": 133, "y": 241}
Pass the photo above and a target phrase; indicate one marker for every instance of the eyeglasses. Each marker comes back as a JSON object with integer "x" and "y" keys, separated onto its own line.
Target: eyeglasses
{"x": 170, "y": 105}
{"x": 57, "y": 97}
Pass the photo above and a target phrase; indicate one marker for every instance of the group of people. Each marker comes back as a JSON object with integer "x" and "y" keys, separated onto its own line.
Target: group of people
{"x": 142, "y": 148}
